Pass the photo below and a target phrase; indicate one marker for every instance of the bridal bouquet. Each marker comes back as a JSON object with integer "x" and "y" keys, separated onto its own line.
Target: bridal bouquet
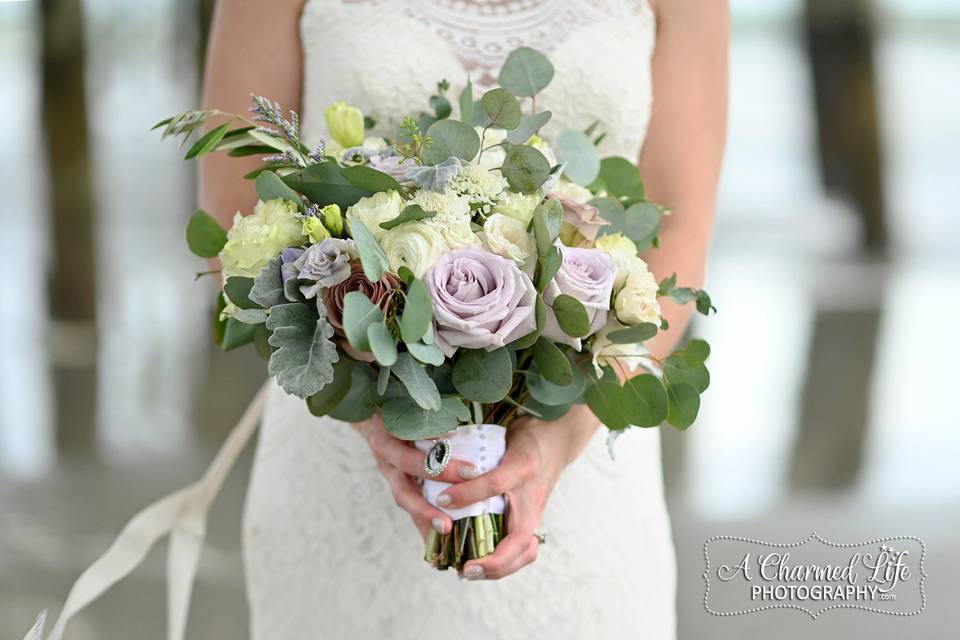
{"x": 453, "y": 274}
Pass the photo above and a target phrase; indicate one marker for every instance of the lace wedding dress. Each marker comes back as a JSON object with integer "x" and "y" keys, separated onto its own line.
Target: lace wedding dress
{"x": 328, "y": 554}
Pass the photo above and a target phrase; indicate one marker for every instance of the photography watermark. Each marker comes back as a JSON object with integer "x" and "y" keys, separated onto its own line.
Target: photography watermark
{"x": 814, "y": 575}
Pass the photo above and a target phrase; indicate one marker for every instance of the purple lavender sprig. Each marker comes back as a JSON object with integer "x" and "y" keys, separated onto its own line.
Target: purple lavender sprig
{"x": 283, "y": 127}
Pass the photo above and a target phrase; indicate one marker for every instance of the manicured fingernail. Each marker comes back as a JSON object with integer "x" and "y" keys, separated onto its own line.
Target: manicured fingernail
{"x": 439, "y": 524}
{"x": 468, "y": 472}
{"x": 443, "y": 499}
{"x": 473, "y": 572}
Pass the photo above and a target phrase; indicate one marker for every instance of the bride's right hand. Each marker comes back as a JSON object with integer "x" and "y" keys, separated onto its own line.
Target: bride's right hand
{"x": 401, "y": 463}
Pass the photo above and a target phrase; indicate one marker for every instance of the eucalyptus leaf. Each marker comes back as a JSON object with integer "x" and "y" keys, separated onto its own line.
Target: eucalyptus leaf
{"x": 642, "y": 223}
{"x": 678, "y": 370}
{"x": 372, "y": 257}
{"x": 621, "y": 178}
{"x": 324, "y": 183}
{"x": 417, "y": 312}
{"x": 548, "y": 393}
{"x": 324, "y": 401}
{"x": 426, "y": 353}
{"x": 261, "y": 341}
{"x": 358, "y": 314}
{"x": 611, "y": 210}
{"x": 236, "y": 334}
{"x": 524, "y": 168}
{"x": 632, "y": 335}
{"x": 369, "y": 179}
{"x": 267, "y": 289}
{"x": 466, "y": 103}
{"x": 552, "y": 364}
{"x": 571, "y": 316}
{"x": 526, "y": 72}
{"x": 547, "y": 220}
{"x": 237, "y": 290}
{"x": 604, "y": 400}
{"x": 270, "y": 186}
{"x": 407, "y": 421}
{"x": 483, "y": 376}
{"x": 546, "y": 411}
{"x": 684, "y": 405}
{"x": 502, "y": 108}
{"x": 303, "y": 361}
{"x": 549, "y": 265}
{"x": 383, "y": 380}
{"x": 382, "y": 344}
{"x": 575, "y": 149}
{"x": 451, "y": 138}
{"x": 205, "y": 236}
{"x": 644, "y": 401}
{"x": 441, "y": 107}
{"x": 358, "y": 404}
{"x": 528, "y": 127}
{"x": 419, "y": 385}
{"x": 410, "y": 213}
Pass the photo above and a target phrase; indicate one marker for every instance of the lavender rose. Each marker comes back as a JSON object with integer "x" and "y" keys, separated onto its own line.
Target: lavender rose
{"x": 324, "y": 265}
{"x": 288, "y": 258}
{"x": 480, "y": 300}
{"x": 394, "y": 166}
{"x": 587, "y": 275}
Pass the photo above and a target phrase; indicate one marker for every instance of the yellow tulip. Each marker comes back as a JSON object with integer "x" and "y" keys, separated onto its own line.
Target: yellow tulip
{"x": 345, "y": 124}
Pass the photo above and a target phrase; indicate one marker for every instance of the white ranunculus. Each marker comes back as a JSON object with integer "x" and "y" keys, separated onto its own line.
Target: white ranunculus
{"x": 637, "y": 300}
{"x": 371, "y": 211}
{"x": 508, "y": 237}
{"x": 623, "y": 251}
{"x": 572, "y": 191}
{"x": 414, "y": 245}
{"x": 517, "y": 205}
{"x": 254, "y": 240}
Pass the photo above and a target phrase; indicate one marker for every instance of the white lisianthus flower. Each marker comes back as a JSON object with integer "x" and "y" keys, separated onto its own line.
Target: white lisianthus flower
{"x": 571, "y": 191}
{"x": 491, "y": 158}
{"x": 623, "y": 251}
{"x": 508, "y": 237}
{"x": 414, "y": 245}
{"x": 478, "y": 185}
{"x": 254, "y": 240}
{"x": 517, "y": 206}
{"x": 637, "y": 301}
{"x": 371, "y": 211}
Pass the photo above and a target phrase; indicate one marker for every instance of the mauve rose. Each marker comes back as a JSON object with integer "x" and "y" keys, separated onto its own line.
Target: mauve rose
{"x": 380, "y": 292}
{"x": 585, "y": 217}
{"x": 480, "y": 300}
{"x": 587, "y": 275}
{"x": 324, "y": 265}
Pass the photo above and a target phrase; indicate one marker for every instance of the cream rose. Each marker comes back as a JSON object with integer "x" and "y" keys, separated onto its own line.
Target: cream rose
{"x": 623, "y": 251}
{"x": 371, "y": 211}
{"x": 508, "y": 237}
{"x": 414, "y": 245}
{"x": 571, "y": 191}
{"x": 491, "y": 158}
{"x": 517, "y": 206}
{"x": 254, "y": 240}
{"x": 637, "y": 301}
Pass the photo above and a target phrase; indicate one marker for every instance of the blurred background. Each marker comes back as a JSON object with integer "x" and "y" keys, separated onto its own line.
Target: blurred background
{"x": 835, "y": 267}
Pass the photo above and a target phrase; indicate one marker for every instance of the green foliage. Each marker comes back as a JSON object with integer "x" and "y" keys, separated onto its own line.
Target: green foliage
{"x": 621, "y": 178}
{"x": 571, "y": 316}
{"x": 683, "y": 295}
{"x": 324, "y": 401}
{"x": 407, "y": 421}
{"x": 238, "y": 291}
{"x": 524, "y": 168}
{"x": 552, "y": 364}
{"x": 527, "y": 341}
{"x": 207, "y": 142}
{"x": 410, "y": 213}
{"x": 549, "y": 265}
{"x": 325, "y": 183}
{"x": 236, "y": 334}
{"x": 526, "y": 72}
{"x": 426, "y": 353}
{"x": 502, "y": 108}
{"x": 547, "y": 219}
{"x": 529, "y": 126}
{"x": 483, "y": 376}
{"x": 250, "y": 316}
{"x": 358, "y": 314}
{"x": 419, "y": 385}
{"x": 575, "y": 149}
{"x": 382, "y": 344}
{"x": 684, "y": 405}
{"x": 372, "y": 257}
{"x": 639, "y": 333}
{"x": 548, "y": 393}
{"x": 451, "y": 138}
{"x": 360, "y": 402}
{"x": 268, "y": 288}
{"x": 261, "y": 341}
{"x": 437, "y": 177}
{"x": 205, "y": 236}
{"x": 303, "y": 361}
{"x": 546, "y": 411}
{"x": 643, "y": 401}
{"x": 219, "y": 324}
{"x": 604, "y": 400}
{"x": 441, "y": 106}
{"x": 466, "y": 103}
{"x": 369, "y": 179}
{"x": 269, "y": 186}
{"x": 417, "y": 312}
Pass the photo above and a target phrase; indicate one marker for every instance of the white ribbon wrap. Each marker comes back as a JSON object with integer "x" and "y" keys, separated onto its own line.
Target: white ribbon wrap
{"x": 484, "y": 446}
{"x": 182, "y": 514}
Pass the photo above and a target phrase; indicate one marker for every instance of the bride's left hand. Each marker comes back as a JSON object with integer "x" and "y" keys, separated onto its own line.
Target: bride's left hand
{"x": 537, "y": 452}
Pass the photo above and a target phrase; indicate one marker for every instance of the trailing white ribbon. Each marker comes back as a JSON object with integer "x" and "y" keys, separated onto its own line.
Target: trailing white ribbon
{"x": 182, "y": 514}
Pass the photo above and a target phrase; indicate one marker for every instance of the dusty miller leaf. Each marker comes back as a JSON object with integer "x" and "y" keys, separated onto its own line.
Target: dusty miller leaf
{"x": 303, "y": 361}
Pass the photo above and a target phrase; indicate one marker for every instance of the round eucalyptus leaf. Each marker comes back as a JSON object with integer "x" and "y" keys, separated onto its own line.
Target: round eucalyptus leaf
{"x": 417, "y": 312}
{"x": 547, "y": 220}
{"x": 426, "y": 353}
{"x": 358, "y": 404}
{"x": 641, "y": 223}
{"x": 604, "y": 400}
{"x": 382, "y": 344}
{"x": 524, "y": 168}
{"x": 546, "y": 411}
{"x": 684, "y": 405}
{"x": 632, "y": 335}
{"x": 678, "y": 370}
{"x": 546, "y": 392}
{"x": 644, "y": 401}
{"x": 407, "y": 421}
{"x": 526, "y": 72}
{"x": 529, "y": 125}
{"x": 483, "y": 376}
{"x": 205, "y": 236}
{"x": 621, "y": 178}
{"x": 451, "y": 138}
{"x": 579, "y": 154}
{"x": 571, "y": 316}
{"x": 548, "y": 267}
{"x": 324, "y": 401}
{"x": 696, "y": 351}
{"x": 551, "y": 362}
{"x": 358, "y": 314}
{"x": 611, "y": 210}
{"x": 502, "y": 108}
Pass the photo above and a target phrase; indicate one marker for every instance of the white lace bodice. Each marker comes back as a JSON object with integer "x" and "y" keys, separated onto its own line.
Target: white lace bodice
{"x": 386, "y": 57}
{"x": 328, "y": 554}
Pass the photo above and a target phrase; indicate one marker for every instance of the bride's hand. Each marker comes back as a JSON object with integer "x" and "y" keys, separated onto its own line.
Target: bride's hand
{"x": 537, "y": 452}
{"x": 401, "y": 463}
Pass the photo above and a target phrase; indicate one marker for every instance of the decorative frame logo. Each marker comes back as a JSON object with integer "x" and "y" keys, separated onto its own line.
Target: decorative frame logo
{"x": 879, "y": 575}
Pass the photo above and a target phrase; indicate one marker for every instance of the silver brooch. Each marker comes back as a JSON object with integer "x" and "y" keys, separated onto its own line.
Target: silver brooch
{"x": 437, "y": 457}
